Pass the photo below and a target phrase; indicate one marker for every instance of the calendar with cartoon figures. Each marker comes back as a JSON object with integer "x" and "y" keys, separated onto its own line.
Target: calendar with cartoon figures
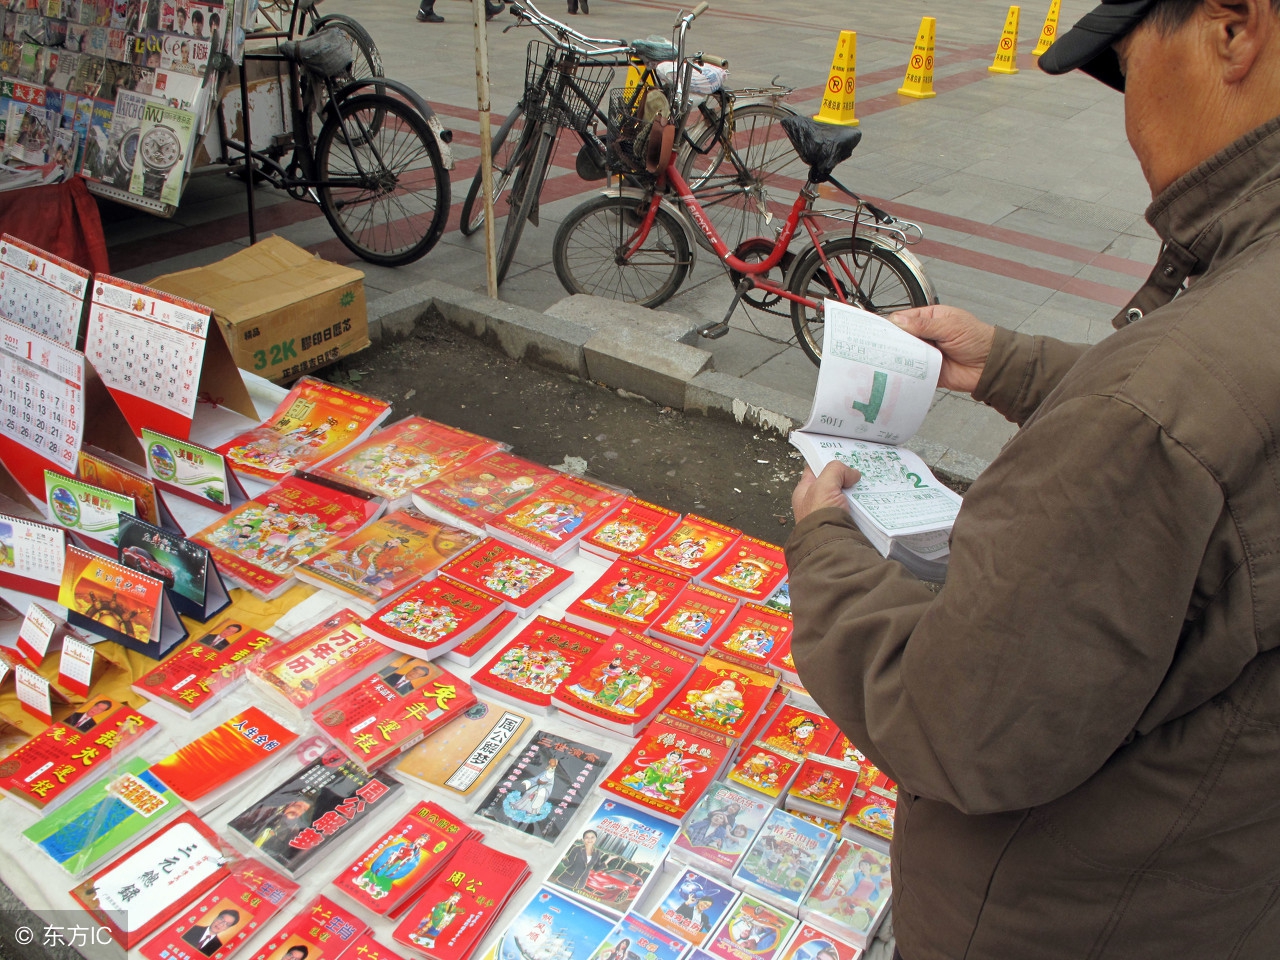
{"x": 42, "y": 291}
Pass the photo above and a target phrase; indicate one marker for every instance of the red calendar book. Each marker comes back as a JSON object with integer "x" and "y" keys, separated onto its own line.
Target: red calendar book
{"x": 667, "y": 770}
{"x": 218, "y": 923}
{"x": 551, "y": 522}
{"x": 477, "y": 646}
{"x": 776, "y": 702}
{"x": 385, "y": 714}
{"x": 42, "y": 291}
{"x": 873, "y": 815}
{"x": 402, "y": 456}
{"x": 798, "y": 732}
{"x": 382, "y": 560}
{"x": 529, "y": 667}
{"x": 66, "y": 756}
{"x": 189, "y": 680}
{"x": 693, "y": 546}
{"x": 319, "y": 662}
{"x": 695, "y": 618}
{"x": 751, "y": 569}
{"x": 33, "y": 554}
{"x": 459, "y": 906}
{"x": 367, "y": 948}
{"x": 475, "y": 493}
{"x": 261, "y": 542}
{"x": 635, "y": 526}
{"x": 782, "y": 663}
{"x": 433, "y": 617}
{"x": 823, "y": 787}
{"x": 722, "y": 698}
{"x": 522, "y": 581}
{"x": 322, "y": 929}
{"x": 764, "y": 770}
{"x": 630, "y": 594}
{"x": 753, "y": 636}
{"x": 394, "y": 869}
{"x": 625, "y": 683}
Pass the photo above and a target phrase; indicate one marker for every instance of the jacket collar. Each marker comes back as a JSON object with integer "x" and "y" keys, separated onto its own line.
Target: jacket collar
{"x": 1210, "y": 214}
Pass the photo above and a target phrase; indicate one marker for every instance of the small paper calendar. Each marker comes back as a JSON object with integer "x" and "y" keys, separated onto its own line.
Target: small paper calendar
{"x": 31, "y": 556}
{"x": 42, "y": 291}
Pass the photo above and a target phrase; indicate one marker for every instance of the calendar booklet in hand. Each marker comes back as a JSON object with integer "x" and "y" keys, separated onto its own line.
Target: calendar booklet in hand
{"x": 875, "y": 385}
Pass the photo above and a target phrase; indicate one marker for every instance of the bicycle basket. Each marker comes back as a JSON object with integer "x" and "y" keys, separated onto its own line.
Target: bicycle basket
{"x": 562, "y": 88}
{"x": 631, "y": 116}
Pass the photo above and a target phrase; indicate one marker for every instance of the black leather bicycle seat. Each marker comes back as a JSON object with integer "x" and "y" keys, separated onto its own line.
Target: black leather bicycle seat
{"x": 655, "y": 51}
{"x": 326, "y": 52}
{"x": 822, "y": 146}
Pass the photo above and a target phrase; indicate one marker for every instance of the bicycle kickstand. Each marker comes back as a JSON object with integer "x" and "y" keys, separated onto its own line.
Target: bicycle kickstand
{"x": 714, "y": 331}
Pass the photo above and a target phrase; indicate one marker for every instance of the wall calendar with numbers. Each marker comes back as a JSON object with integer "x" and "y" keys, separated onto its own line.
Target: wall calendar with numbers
{"x": 42, "y": 291}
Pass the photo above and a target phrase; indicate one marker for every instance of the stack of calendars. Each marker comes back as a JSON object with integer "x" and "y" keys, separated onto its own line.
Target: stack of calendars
{"x": 473, "y": 494}
{"x": 633, "y": 529}
{"x": 529, "y": 668}
{"x": 851, "y": 897}
{"x": 320, "y": 662}
{"x": 520, "y": 580}
{"x": 668, "y": 769}
{"x": 631, "y": 594}
{"x": 784, "y": 860}
{"x": 715, "y": 834}
{"x": 552, "y": 521}
{"x": 432, "y": 618}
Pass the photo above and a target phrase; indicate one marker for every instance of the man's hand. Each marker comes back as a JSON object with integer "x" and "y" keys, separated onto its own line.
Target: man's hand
{"x": 965, "y": 341}
{"x": 825, "y": 490}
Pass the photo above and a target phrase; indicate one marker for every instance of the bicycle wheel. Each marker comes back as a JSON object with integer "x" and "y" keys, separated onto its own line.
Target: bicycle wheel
{"x": 861, "y": 273}
{"x": 393, "y": 206}
{"x": 733, "y": 180}
{"x": 524, "y": 194}
{"x": 503, "y": 146}
{"x": 589, "y": 252}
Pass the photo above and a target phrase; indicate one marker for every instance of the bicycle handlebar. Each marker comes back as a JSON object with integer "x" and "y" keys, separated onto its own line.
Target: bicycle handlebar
{"x": 559, "y": 33}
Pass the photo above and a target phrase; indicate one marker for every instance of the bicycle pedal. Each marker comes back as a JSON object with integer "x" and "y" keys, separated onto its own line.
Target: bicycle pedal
{"x": 714, "y": 331}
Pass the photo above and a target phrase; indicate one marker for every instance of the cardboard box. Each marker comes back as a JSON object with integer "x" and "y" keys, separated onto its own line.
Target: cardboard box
{"x": 283, "y": 311}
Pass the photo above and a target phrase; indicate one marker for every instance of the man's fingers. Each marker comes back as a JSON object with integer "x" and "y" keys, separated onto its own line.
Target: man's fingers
{"x": 838, "y": 476}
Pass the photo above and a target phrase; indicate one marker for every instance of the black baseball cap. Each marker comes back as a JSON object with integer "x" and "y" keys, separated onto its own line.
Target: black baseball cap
{"x": 1087, "y": 45}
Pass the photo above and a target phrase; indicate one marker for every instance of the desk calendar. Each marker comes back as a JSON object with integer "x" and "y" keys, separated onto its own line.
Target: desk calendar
{"x": 41, "y": 291}
{"x": 31, "y": 556}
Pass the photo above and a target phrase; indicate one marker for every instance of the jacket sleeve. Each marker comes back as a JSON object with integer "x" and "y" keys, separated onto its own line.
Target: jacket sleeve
{"x": 1021, "y": 371}
{"x": 1072, "y": 564}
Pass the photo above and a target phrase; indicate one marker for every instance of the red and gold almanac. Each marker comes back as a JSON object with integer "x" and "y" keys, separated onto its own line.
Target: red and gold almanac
{"x": 387, "y": 713}
{"x": 315, "y": 421}
{"x": 530, "y": 666}
{"x": 57, "y": 762}
{"x": 259, "y": 543}
{"x": 218, "y": 923}
{"x": 403, "y": 859}
{"x": 630, "y": 594}
{"x": 476, "y": 647}
{"x": 764, "y": 770}
{"x": 823, "y": 787}
{"x": 459, "y": 906}
{"x": 474, "y": 494}
{"x": 751, "y": 569}
{"x": 189, "y": 680}
{"x": 871, "y": 814}
{"x": 380, "y": 561}
{"x": 404, "y": 455}
{"x": 667, "y": 770}
{"x": 695, "y": 618}
{"x": 798, "y": 732}
{"x": 722, "y": 698}
{"x": 631, "y": 530}
{"x": 432, "y": 618}
{"x": 693, "y": 546}
{"x": 753, "y": 636}
{"x": 325, "y": 930}
{"x": 320, "y": 661}
{"x": 146, "y": 885}
{"x": 776, "y": 702}
{"x": 202, "y": 771}
{"x": 625, "y": 683}
{"x": 553, "y": 520}
{"x": 113, "y": 601}
{"x": 522, "y": 581}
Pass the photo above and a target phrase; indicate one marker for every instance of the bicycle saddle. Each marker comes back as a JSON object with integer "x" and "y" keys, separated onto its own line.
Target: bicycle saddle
{"x": 654, "y": 50}
{"x": 822, "y": 146}
{"x": 326, "y": 52}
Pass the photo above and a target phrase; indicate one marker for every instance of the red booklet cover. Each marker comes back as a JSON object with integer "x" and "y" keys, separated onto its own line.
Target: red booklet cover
{"x": 320, "y": 661}
{"x": 64, "y": 757}
{"x": 693, "y": 546}
{"x": 529, "y": 667}
{"x": 625, "y": 683}
{"x": 367, "y": 948}
{"x": 823, "y": 787}
{"x": 434, "y": 617}
{"x": 218, "y": 923}
{"x": 324, "y": 931}
{"x": 667, "y": 770}
{"x": 782, "y": 663}
{"x": 635, "y": 526}
{"x": 798, "y": 732}
{"x": 630, "y": 594}
{"x": 764, "y": 770}
{"x": 776, "y": 703}
{"x": 521, "y": 580}
{"x": 459, "y": 906}
{"x": 750, "y": 569}
{"x": 475, "y": 493}
{"x": 387, "y": 713}
{"x": 722, "y": 698}
{"x": 189, "y": 680}
{"x": 694, "y": 619}
{"x": 753, "y": 635}
{"x": 404, "y": 858}
{"x": 259, "y": 543}
{"x": 551, "y": 522}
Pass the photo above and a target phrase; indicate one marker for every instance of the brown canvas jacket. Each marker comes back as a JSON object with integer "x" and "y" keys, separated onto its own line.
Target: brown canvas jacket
{"x": 1085, "y": 720}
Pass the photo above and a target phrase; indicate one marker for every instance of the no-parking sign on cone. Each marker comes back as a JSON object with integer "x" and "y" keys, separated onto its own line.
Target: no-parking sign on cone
{"x": 919, "y": 79}
{"x": 1049, "y": 32}
{"x": 1006, "y": 60}
{"x": 838, "y": 99}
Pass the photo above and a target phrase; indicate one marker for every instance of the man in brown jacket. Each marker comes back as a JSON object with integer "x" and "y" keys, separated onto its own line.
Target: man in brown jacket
{"x": 1085, "y": 721}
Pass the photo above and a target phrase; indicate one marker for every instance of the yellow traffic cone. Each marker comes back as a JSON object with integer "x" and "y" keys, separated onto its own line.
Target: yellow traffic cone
{"x": 919, "y": 80}
{"x": 1006, "y": 60}
{"x": 838, "y": 100}
{"x": 1049, "y": 32}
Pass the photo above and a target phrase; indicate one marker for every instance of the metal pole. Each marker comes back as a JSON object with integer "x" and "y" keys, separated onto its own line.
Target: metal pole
{"x": 486, "y": 152}
{"x": 248, "y": 147}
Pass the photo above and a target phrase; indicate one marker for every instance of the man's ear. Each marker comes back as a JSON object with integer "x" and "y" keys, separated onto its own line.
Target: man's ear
{"x": 1240, "y": 31}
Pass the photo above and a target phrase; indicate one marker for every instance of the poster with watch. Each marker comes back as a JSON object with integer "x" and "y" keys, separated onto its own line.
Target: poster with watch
{"x": 123, "y": 144}
{"x": 161, "y": 158}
